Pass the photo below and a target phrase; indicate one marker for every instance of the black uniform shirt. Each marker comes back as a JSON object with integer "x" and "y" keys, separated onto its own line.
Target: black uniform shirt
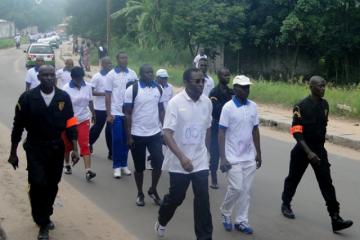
{"x": 310, "y": 119}
{"x": 218, "y": 98}
{"x": 43, "y": 123}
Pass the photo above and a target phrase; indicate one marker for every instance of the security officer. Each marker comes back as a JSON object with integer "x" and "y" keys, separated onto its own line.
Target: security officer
{"x": 44, "y": 112}
{"x": 310, "y": 119}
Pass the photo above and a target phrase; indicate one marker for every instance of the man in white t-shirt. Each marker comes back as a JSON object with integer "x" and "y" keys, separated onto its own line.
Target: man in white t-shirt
{"x": 63, "y": 75}
{"x": 209, "y": 82}
{"x": 144, "y": 112}
{"x": 162, "y": 79}
{"x": 239, "y": 146}
{"x": 98, "y": 87}
{"x": 187, "y": 134}
{"x": 198, "y": 57}
{"x": 31, "y": 79}
{"x": 115, "y": 87}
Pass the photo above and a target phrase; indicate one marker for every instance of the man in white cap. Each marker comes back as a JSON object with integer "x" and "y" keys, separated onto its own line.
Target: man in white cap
{"x": 239, "y": 145}
{"x": 162, "y": 79}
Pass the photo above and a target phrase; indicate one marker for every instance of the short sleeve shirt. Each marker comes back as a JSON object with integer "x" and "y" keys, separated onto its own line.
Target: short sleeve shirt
{"x": 189, "y": 122}
{"x": 116, "y": 81}
{"x": 145, "y": 115}
{"x": 31, "y": 77}
{"x": 239, "y": 120}
{"x": 208, "y": 85}
{"x": 63, "y": 77}
{"x": 168, "y": 94}
{"x": 80, "y": 99}
{"x": 98, "y": 84}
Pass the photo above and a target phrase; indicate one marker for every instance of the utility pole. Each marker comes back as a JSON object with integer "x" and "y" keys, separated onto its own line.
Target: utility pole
{"x": 108, "y": 24}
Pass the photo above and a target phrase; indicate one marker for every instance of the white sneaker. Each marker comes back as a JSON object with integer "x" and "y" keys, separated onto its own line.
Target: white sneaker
{"x": 126, "y": 171}
{"x": 117, "y": 173}
{"x": 160, "y": 230}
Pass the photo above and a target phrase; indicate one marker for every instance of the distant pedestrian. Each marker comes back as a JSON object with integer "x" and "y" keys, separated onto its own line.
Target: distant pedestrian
{"x": 115, "y": 88}
{"x": 31, "y": 79}
{"x": 144, "y": 112}
{"x": 63, "y": 75}
{"x": 17, "y": 40}
{"x": 102, "y": 51}
{"x": 219, "y": 95}
{"x": 310, "y": 117}
{"x": 81, "y": 53}
{"x": 209, "y": 82}
{"x": 198, "y": 57}
{"x": 187, "y": 135}
{"x": 81, "y": 97}
{"x": 86, "y": 56}
{"x": 44, "y": 112}
{"x": 98, "y": 82}
{"x": 239, "y": 145}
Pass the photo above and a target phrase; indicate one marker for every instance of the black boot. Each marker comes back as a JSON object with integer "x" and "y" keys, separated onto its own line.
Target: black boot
{"x": 339, "y": 224}
{"x": 43, "y": 233}
{"x": 287, "y": 211}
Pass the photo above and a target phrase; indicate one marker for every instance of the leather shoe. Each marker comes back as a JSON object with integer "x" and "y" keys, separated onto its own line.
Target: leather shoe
{"x": 43, "y": 233}
{"x": 339, "y": 224}
{"x": 287, "y": 211}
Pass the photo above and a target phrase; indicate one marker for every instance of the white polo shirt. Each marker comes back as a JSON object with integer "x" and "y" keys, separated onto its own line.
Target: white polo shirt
{"x": 63, "y": 77}
{"x": 239, "y": 121}
{"x": 145, "y": 114}
{"x": 98, "y": 83}
{"x": 32, "y": 77}
{"x": 208, "y": 85}
{"x": 116, "y": 81}
{"x": 168, "y": 94}
{"x": 80, "y": 99}
{"x": 189, "y": 120}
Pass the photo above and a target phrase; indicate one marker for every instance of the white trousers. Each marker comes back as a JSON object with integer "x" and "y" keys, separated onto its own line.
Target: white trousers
{"x": 240, "y": 178}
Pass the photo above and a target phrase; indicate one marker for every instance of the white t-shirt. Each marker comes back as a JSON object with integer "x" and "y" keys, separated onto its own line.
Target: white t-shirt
{"x": 31, "y": 77}
{"x": 168, "y": 94}
{"x": 48, "y": 97}
{"x": 63, "y": 77}
{"x": 80, "y": 100}
{"x": 189, "y": 120}
{"x": 98, "y": 83}
{"x": 145, "y": 114}
{"x": 116, "y": 81}
{"x": 208, "y": 85}
{"x": 239, "y": 121}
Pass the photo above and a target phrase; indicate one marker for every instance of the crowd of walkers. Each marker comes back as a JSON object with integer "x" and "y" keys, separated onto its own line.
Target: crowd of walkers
{"x": 178, "y": 132}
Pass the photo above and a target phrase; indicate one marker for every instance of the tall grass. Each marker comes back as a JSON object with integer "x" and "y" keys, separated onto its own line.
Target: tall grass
{"x": 6, "y": 43}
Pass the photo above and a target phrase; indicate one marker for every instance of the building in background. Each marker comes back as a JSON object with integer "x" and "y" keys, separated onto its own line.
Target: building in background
{"x": 7, "y": 29}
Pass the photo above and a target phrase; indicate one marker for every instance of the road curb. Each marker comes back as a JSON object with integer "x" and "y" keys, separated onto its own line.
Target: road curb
{"x": 285, "y": 127}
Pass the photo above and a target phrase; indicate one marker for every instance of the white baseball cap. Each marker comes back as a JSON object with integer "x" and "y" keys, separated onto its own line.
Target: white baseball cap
{"x": 162, "y": 73}
{"x": 241, "y": 80}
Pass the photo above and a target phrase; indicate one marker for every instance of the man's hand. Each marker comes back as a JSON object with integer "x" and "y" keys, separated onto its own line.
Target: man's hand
{"x": 186, "y": 164}
{"x": 130, "y": 142}
{"x": 110, "y": 118}
{"x": 75, "y": 157}
{"x": 14, "y": 161}
{"x": 313, "y": 158}
{"x": 258, "y": 161}
{"x": 93, "y": 119}
{"x": 225, "y": 165}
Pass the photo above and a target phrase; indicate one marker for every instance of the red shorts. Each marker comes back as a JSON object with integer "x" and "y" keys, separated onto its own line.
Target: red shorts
{"x": 83, "y": 129}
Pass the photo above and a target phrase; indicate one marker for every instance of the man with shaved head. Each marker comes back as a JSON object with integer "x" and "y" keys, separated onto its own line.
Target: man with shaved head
{"x": 310, "y": 117}
{"x": 63, "y": 75}
{"x": 44, "y": 112}
{"x": 31, "y": 79}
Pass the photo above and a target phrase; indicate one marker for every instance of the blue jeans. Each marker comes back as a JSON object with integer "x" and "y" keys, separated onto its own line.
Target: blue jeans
{"x": 119, "y": 142}
{"x": 96, "y": 129}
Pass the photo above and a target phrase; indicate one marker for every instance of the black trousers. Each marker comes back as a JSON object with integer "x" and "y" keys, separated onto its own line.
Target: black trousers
{"x": 298, "y": 164}
{"x": 96, "y": 129}
{"x": 179, "y": 184}
{"x": 44, "y": 165}
{"x": 154, "y": 146}
{"x": 214, "y": 147}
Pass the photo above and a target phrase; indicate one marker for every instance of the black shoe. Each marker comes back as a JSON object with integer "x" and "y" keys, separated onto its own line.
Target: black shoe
{"x": 68, "y": 170}
{"x": 155, "y": 196}
{"x": 339, "y": 224}
{"x": 89, "y": 175}
{"x": 51, "y": 225}
{"x": 287, "y": 211}
{"x": 43, "y": 233}
{"x": 140, "y": 200}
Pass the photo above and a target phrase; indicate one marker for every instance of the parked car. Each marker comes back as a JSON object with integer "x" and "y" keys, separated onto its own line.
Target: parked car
{"x": 39, "y": 50}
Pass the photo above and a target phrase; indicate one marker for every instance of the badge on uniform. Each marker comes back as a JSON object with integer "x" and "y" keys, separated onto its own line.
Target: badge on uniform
{"x": 61, "y": 105}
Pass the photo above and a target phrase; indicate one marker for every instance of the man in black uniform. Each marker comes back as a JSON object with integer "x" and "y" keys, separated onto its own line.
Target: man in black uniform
{"x": 44, "y": 112}
{"x": 310, "y": 119}
{"x": 219, "y": 95}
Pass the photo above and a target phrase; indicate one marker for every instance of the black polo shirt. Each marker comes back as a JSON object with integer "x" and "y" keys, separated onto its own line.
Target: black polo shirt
{"x": 219, "y": 97}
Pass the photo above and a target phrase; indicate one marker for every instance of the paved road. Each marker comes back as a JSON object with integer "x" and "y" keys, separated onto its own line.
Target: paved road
{"x": 117, "y": 197}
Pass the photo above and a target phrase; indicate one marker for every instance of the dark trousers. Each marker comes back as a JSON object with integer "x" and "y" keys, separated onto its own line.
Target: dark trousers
{"x": 44, "y": 165}
{"x": 96, "y": 129}
{"x": 214, "y": 147}
{"x": 179, "y": 184}
{"x": 154, "y": 146}
{"x": 298, "y": 164}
